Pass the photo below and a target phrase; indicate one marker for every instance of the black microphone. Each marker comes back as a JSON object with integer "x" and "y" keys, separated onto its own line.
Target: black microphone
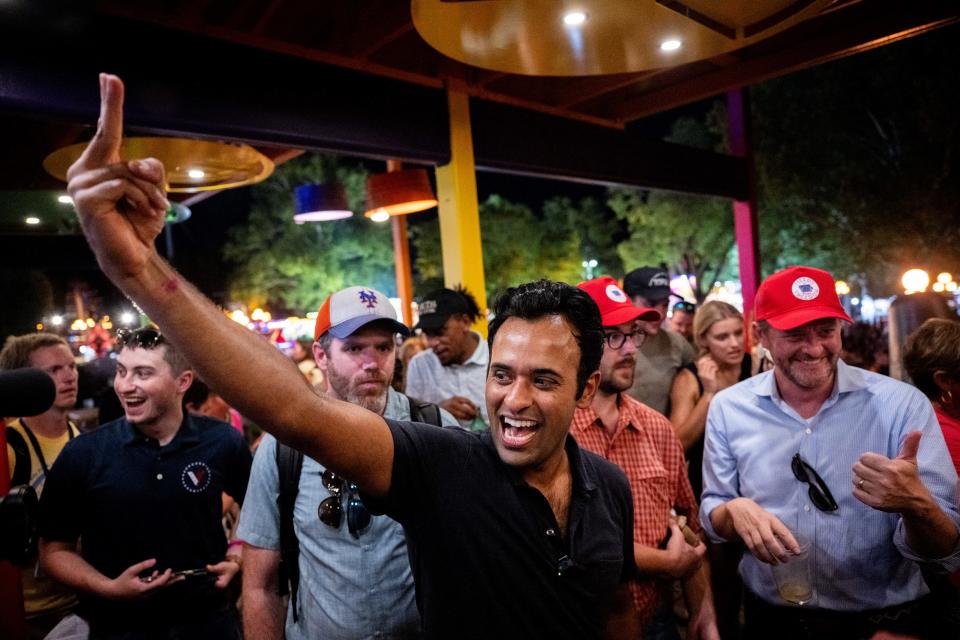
{"x": 25, "y": 392}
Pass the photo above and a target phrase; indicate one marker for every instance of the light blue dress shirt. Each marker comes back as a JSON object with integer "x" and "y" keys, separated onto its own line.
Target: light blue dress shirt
{"x": 859, "y": 558}
{"x": 349, "y": 588}
{"x": 429, "y": 380}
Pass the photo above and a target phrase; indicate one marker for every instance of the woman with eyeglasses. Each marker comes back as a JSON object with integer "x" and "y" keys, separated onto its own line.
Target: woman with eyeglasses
{"x": 718, "y": 336}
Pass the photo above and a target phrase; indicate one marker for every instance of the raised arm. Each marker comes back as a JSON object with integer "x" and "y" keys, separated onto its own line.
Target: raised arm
{"x": 121, "y": 207}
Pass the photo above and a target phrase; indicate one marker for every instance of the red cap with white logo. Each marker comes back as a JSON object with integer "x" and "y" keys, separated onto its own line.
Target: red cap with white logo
{"x": 796, "y": 296}
{"x": 615, "y": 306}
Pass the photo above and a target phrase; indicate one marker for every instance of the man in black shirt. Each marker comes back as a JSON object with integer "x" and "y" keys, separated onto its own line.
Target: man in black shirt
{"x": 142, "y": 494}
{"x": 518, "y": 533}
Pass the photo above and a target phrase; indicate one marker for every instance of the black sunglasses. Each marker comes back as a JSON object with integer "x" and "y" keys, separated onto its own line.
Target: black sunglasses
{"x": 331, "y": 509}
{"x": 145, "y": 338}
{"x": 819, "y": 492}
{"x": 688, "y": 307}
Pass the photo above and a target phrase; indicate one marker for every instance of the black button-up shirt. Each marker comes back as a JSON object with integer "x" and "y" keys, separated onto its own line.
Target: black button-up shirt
{"x": 488, "y": 558}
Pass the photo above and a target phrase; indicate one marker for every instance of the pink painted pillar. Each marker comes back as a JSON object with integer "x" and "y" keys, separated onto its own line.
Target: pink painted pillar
{"x": 745, "y": 211}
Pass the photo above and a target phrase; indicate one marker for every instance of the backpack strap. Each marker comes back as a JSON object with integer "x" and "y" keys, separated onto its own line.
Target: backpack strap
{"x": 22, "y": 466}
{"x": 289, "y": 464}
{"x": 425, "y": 412}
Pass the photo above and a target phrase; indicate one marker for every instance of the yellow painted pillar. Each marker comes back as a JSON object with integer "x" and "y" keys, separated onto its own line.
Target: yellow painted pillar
{"x": 459, "y": 212}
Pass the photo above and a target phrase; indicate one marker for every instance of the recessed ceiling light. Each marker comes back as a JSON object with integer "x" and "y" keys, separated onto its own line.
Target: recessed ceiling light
{"x": 574, "y": 18}
{"x": 670, "y": 45}
{"x": 32, "y": 220}
{"x": 64, "y": 199}
{"x": 196, "y": 174}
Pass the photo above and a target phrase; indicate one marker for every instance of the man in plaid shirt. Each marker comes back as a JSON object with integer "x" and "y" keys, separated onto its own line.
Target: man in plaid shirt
{"x": 642, "y": 442}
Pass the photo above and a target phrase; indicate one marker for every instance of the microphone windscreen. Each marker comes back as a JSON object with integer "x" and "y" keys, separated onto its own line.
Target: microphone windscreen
{"x": 25, "y": 393}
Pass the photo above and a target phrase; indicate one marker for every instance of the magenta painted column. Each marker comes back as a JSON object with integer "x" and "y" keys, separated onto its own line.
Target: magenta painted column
{"x": 744, "y": 211}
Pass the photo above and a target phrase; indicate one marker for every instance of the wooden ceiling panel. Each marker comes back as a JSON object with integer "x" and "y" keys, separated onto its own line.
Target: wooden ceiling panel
{"x": 362, "y": 28}
{"x": 239, "y": 15}
{"x": 408, "y": 52}
{"x": 299, "y": 22}
{"x": 563, "y": 92}
{"x": 377, "y": 36}
{"x": 607, "y": 105}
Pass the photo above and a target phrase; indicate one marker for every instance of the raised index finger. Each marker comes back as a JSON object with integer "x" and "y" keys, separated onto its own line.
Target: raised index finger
{"x": 104, "y": 148}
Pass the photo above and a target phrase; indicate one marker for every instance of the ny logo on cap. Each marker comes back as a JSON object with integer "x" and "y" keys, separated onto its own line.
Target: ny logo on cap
{"x": 428, "y": 307}
{"x": 368, "y": 298}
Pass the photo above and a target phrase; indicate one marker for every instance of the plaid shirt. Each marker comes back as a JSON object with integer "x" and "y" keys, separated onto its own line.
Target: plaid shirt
{"x": 646, "y": 447}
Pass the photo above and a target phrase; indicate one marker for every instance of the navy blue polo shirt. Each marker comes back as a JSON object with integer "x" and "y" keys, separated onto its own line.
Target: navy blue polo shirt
{"x": 128, "y": 499}
{"x": 487, "y": 555}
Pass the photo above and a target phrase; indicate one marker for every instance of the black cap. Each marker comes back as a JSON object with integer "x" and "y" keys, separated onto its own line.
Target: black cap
{"x": 439, "y": 305}
{"x": 652, "y": 283}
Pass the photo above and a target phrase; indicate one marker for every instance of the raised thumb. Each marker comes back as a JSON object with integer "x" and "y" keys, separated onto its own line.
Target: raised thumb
{"x": 910, "y": 446}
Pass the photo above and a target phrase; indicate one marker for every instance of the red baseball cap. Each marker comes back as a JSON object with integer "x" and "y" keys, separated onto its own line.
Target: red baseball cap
{"x": 615, "y": 306}
{"x": 796, "y": 296}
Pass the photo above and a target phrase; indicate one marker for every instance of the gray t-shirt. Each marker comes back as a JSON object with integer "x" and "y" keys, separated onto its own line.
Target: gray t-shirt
{"x": 658, "y": 362}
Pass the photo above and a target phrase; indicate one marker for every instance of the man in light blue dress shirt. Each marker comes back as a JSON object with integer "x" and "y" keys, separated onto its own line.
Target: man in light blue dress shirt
{"x": 851, "y": 460}
{"x": 352, "y": 584}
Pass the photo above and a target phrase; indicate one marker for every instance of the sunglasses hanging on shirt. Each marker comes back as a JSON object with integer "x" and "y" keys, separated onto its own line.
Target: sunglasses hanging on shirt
{"x": 819, "y": 492}
{"x": 331, "y": 509}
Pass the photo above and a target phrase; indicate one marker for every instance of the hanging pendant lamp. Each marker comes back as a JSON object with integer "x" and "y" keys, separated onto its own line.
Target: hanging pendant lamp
{"x": 320, "y": 203}
{"x": 398, "y": 193}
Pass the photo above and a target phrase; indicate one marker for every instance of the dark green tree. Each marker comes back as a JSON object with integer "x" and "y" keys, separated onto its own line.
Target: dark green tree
{"x": 857, "y": 163}
{"x": 690, "y": 234}
{"x": 598, "y": 230}
{"x": 519, "y": 245}
{"x": 294, "y": 267}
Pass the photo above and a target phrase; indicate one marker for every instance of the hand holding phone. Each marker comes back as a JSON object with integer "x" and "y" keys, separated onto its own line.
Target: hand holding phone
{"x": 192, "y": 573}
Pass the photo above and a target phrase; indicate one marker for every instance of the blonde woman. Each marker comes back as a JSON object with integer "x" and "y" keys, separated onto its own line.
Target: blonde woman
{"x": 718, "y": 334}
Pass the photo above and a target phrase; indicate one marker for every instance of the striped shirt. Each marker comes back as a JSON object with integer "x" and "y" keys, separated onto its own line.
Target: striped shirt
{"x": 859, "y": 557}
{"x": 646, "y": 447}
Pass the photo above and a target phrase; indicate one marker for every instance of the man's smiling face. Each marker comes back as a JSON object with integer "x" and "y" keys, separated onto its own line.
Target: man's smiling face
{"x": 532, "y": 390}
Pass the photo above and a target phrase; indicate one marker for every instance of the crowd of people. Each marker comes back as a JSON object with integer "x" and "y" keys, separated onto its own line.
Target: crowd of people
{"x": 591, "y": 469}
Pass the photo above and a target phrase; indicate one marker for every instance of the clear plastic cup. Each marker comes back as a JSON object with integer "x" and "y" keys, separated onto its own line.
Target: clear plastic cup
{"x": 793, "y": 576}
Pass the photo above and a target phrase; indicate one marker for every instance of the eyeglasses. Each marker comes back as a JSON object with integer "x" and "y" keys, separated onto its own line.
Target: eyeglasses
{"x": 331, "y": 509}
{"x": 145, "y": 338}
{"x": 685, "y": 306}
{"x": 615, "y": 339}
{"x": 819, "y": 492}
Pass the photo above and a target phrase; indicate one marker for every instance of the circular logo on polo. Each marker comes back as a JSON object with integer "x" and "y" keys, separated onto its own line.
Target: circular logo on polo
{"x": 615, "y": 293}
{"x": 805, "y": 289}
{"x": 195, "y": 477}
